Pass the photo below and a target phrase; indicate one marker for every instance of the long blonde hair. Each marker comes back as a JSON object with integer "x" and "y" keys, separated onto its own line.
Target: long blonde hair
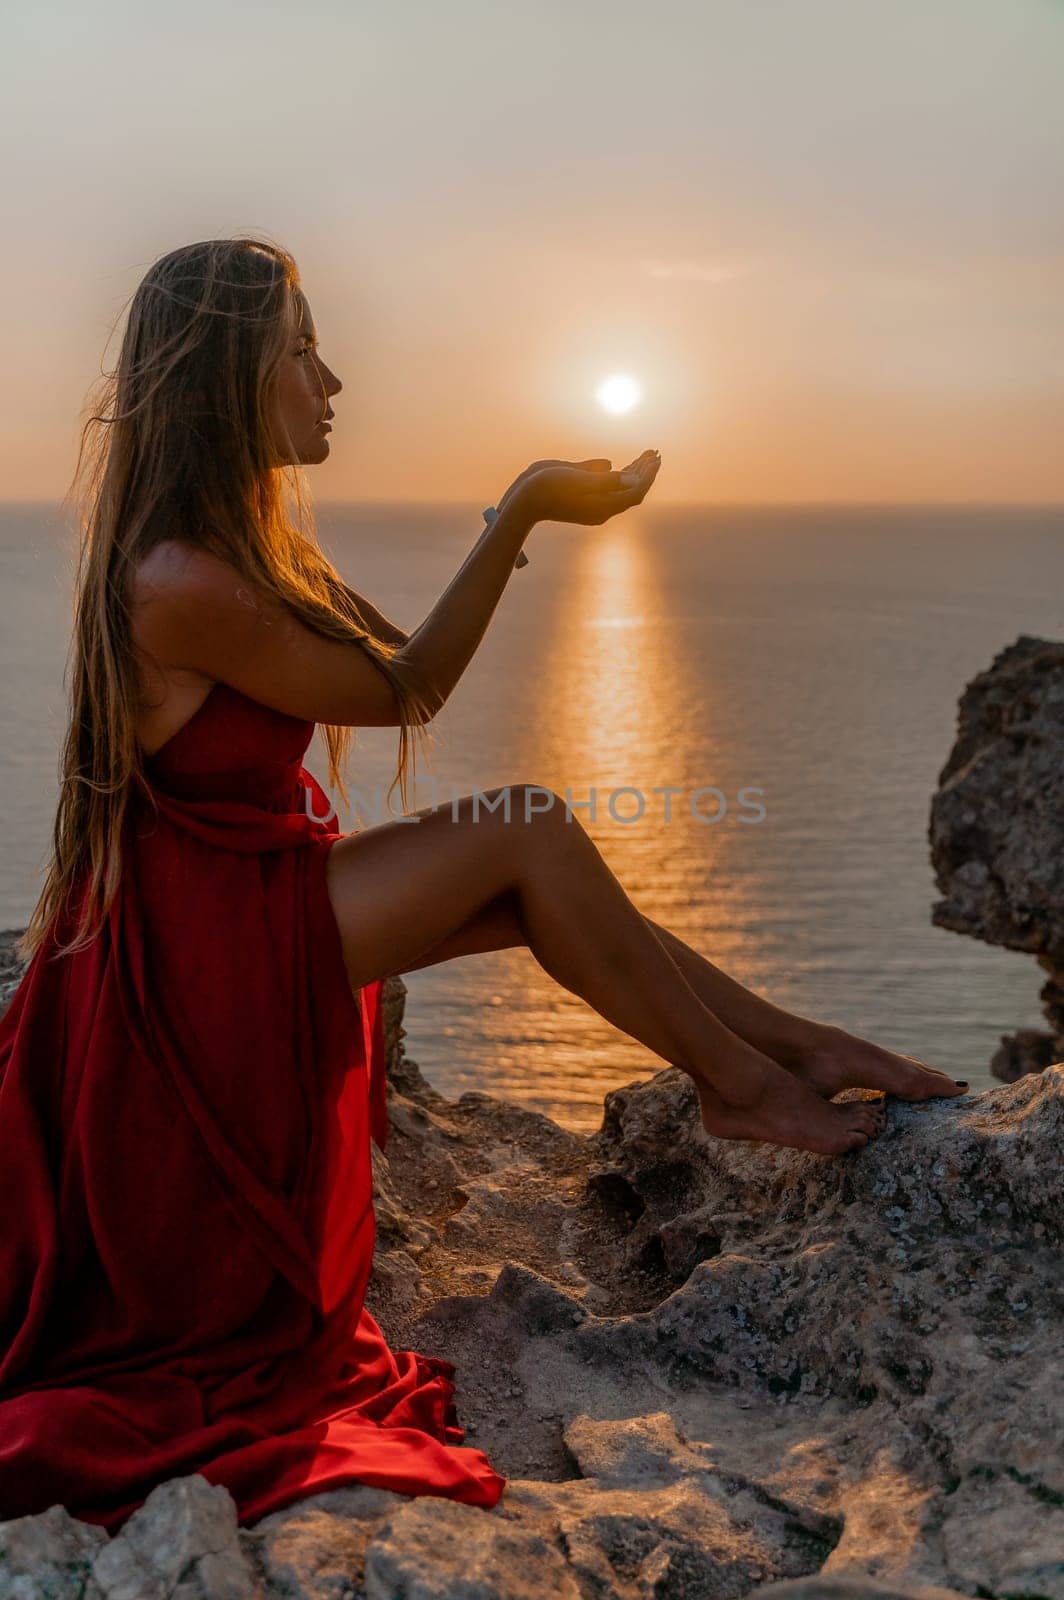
{"x": 178, "y": 444}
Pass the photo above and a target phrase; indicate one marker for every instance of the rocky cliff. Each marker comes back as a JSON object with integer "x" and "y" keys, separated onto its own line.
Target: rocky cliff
{"x": 997, "y": 829}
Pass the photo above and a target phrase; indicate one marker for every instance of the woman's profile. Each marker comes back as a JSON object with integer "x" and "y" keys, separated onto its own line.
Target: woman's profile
{"x": 193, "y": 1065}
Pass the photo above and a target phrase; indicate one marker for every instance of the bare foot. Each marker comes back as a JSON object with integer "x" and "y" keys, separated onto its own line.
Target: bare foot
{"x": 840, "y": 1060}
{"x": 785, "y": 1111}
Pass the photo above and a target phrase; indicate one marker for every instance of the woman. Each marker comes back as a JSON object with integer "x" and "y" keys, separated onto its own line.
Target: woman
{"x": 193, "y": 1064}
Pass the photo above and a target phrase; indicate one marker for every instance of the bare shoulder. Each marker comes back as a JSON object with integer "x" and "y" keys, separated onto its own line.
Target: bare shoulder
{"x": 198, "y": 614}
{"x": 182, "y": 594}
{"x": 173, "y": 568}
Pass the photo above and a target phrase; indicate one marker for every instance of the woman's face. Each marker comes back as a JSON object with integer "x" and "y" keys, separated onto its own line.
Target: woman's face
{"x": 301, "y": 400}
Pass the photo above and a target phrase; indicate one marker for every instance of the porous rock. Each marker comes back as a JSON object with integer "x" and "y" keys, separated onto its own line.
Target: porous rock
{"x": 997, "y": 829}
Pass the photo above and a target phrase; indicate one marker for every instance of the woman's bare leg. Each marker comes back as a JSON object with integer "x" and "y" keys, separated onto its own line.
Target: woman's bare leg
{"x": 821, "y": 1054}
{"x": 399, "y": 889}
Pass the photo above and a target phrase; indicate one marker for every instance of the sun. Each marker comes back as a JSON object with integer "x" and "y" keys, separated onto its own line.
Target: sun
{"x": 618, "y": 393}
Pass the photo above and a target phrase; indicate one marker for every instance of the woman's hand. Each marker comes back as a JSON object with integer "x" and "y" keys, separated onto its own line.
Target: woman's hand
{"x": 587, "y": 492}
{"x": 597, "y": 464}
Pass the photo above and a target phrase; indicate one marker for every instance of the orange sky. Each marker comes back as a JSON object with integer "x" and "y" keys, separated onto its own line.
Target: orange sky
{"x": 824, "y": 237}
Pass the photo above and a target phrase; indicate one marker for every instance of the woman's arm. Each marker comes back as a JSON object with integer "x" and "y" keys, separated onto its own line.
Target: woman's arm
{"x": 390, "y": 632}
{"x": 195, "y": 612}
{"x": 443, "y": 646}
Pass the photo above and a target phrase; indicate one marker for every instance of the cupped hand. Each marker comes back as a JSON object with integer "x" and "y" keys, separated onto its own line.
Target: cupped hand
{"x": 586, "y": 492}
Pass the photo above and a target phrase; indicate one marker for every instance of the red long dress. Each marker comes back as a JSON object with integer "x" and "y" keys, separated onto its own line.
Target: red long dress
{"x": 186, "y": 1199}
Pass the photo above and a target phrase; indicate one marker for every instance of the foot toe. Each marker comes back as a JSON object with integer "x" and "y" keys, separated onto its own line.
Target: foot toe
{"x": 931, "y": 1081}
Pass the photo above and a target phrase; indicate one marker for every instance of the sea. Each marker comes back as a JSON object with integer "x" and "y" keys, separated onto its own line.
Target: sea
{"x": 748, "y": 709}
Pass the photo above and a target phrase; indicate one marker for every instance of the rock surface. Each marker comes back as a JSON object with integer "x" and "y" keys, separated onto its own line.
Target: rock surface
{"x": 706, "y": 1369}
{"x": 997, "y": 829}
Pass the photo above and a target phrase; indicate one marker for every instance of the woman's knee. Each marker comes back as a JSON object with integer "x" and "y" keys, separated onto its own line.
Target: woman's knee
{"x": 528, "y": 805}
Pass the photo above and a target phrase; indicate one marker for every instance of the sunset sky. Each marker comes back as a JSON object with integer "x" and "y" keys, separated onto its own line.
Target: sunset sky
{"x": 824, "y": 237}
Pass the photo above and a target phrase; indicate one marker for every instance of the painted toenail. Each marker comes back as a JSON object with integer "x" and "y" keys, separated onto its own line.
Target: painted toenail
{"x": 962, "y": 1083}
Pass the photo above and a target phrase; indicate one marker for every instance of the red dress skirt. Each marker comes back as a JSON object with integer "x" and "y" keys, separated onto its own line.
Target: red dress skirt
{"x": 186, "y": 1195}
